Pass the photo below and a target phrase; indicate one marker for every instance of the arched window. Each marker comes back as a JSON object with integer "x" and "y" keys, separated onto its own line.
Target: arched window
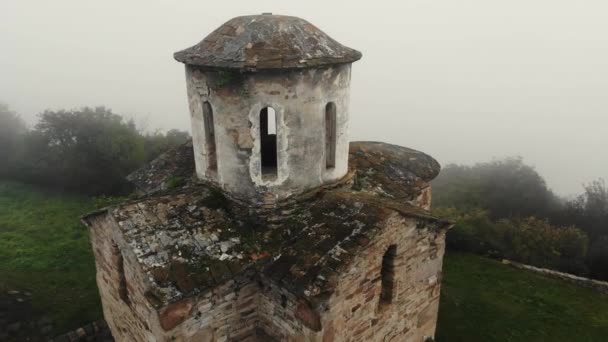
{"x": 268, "y": 145}
{"x": 209, "y": 136}
{"x": 330, "y": 135}
{"x": 387, "y": 274}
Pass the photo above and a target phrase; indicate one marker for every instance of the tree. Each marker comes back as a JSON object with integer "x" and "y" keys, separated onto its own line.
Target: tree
{"x": 505, "y": 188}
{"x": 589, "y": 210}
{"x": 89, "y": 150}
{"x": 598, "y": 258}
{"x": 529, "y": 240}
{"x": 12, "y": 130}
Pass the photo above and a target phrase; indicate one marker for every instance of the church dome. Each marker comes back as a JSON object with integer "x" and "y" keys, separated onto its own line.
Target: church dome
{"x": 266, "y": 42}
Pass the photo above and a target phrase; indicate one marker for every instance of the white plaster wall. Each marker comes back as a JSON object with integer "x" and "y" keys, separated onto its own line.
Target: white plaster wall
{"x": 299, "y": 98}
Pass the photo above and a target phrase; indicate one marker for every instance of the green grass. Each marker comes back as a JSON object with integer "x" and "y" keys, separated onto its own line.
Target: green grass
{"x": 44, "y": 249}
{"x": 484, "y": 300}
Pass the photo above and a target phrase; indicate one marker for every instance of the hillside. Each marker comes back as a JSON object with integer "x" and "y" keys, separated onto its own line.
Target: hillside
{"x": 484, "y": 300}
{"x": 45, "y": 255}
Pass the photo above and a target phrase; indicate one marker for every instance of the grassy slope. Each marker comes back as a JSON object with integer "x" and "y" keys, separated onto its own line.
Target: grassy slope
{"x": 44, "y": 249}
{"x": 483, "y": 300}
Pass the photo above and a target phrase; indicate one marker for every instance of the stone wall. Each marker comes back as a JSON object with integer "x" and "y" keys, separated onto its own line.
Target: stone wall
{"x": 299, "y": 98}
{"x": 225, "y": 314}
{"x": 277, "y": 311}
{"x": 250, "y": 305}
{"x": 228, "y": 313}
{"x": 354, "y": 313}
{"x": 412, "y": 313}
{"x": 120, "y": 284}
{"x": 596, "y": 285}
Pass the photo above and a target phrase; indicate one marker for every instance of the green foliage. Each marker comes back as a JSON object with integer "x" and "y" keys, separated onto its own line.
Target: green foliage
{"x": 598, "y": 258}
{"x": 104, "y": 201}
{"x": 225, "y": 77}
{"x": 504, "y": 188}
{"x": 529, "y": 240}
{"x": 483, "y": 300}
{"x": 489, "y": 199}
{"x": 89, "y": 151}
{"x": 175, "y": 182}
{"x": 44, "y": 249}
{"x": 590, "y": 212}
{"x": 12, "y": 129}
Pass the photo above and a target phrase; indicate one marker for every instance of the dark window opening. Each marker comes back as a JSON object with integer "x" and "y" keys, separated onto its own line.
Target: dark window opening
{"x": 330, "y": 135}
{"x": 268, "y": 139}
{"x": 387, "y": 274}
{"x": 209, "y": 136}
{"x": 119, "y": 265}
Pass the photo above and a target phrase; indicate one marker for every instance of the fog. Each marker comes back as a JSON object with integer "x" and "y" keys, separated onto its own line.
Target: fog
{"x": 464, "y": 81}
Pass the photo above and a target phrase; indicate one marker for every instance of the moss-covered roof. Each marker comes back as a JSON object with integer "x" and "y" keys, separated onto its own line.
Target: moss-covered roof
{"x": 190, "y": 239}
{"x": 394, "y": 171}
{"x": 267, "y": 42}
{"x": 399, "y": 172}
{"x": 172, "y": 169}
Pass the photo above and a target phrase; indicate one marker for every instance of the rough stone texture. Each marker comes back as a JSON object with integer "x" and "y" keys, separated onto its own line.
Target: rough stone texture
{"x": 299, "y": 98}
{"x": 352, "y": 312}
{"x": 172, "y": 169}
{"x": 191, "y": 264}
{"x": 396, "y": 172}
{"x": 263, "y": 42}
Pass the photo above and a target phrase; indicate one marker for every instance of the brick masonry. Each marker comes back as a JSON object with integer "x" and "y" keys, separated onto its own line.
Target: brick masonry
{"x": 252, "y": 305}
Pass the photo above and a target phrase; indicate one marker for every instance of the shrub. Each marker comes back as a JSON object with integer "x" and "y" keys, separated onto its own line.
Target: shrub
{"x": 529, "y": 240}
{"x": 89, "y": 150}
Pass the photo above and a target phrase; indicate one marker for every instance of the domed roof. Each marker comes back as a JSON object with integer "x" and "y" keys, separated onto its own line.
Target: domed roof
{"x": 263, "y": 42}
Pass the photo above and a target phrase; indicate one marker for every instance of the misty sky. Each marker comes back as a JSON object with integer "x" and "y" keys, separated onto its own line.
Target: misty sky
{"x": 465, "y": 80}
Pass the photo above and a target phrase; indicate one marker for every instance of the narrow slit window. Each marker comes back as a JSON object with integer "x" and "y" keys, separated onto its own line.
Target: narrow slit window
{"x": 387, "y": 274}
{"x": 268, "y": 139}
{"x": 119, "y": 266}
{"x": 330, "y": 135}
{"x": 209, "y": 136}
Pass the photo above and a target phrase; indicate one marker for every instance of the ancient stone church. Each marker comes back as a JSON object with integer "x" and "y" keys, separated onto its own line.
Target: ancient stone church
{"x": 270, "y": 225}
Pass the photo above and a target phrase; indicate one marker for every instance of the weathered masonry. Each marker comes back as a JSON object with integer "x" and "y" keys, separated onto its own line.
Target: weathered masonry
{"x": 270, "y": 225}
{"x": 261, "y": 89}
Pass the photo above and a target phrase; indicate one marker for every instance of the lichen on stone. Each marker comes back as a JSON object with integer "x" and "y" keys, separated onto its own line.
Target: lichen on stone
{"x": 190, "y": 239}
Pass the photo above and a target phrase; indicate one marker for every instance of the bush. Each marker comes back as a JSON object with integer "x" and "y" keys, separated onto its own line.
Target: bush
{"x": 88, "y": 151}
{"x": 529, "y": 240}
{"x": 598, "y": 258}
{"x": 12, "y": 129}
{"x": 504, "y": 188}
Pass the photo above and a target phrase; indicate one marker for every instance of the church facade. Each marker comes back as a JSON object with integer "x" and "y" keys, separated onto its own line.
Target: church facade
{"x": 270, "y": 225}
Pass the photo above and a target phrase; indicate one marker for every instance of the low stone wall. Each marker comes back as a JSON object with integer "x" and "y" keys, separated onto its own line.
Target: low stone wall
{"x": 596, "y": 285}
